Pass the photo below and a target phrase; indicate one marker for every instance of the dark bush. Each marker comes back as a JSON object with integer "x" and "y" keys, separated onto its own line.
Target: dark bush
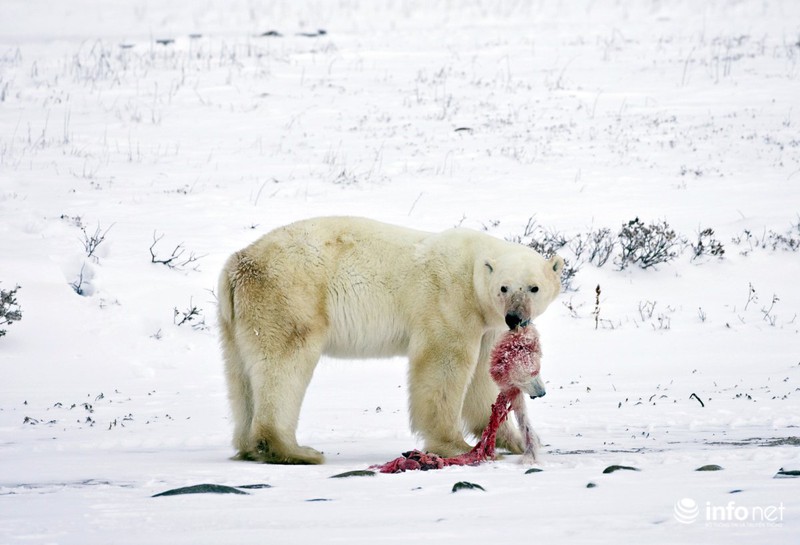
{"x": 10, "y": 311}
{"x": 707, "y": 245}
{"x": 647, "y": 245}
{"x": 600, "y": 246}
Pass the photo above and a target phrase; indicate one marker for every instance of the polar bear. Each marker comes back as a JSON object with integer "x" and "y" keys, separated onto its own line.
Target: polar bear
{"x": 357, "y": 288}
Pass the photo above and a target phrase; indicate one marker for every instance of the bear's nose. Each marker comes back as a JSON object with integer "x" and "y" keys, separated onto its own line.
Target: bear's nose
{"x": 513, "y": 320}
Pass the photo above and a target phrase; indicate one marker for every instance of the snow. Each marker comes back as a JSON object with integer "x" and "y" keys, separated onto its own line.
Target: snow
{"x": 582, "y": 114}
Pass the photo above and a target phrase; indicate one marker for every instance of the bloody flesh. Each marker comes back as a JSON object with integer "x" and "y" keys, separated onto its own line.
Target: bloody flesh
{"x": 515, "y": 359}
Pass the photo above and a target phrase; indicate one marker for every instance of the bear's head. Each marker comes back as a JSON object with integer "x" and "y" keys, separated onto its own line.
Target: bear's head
{"x": 520, "y": 284}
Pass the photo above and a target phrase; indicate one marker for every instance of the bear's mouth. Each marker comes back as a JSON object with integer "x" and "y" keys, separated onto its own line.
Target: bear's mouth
{"x": 514, "y": 320}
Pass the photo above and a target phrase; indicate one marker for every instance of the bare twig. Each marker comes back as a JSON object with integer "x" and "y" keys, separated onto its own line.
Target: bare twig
{"x": 77, "y": 284}
{"x": 92, "y": 242}
{"x": 192, "y": 315}
{"x": 176, "y": 260}
{"x": 597, "y": 307}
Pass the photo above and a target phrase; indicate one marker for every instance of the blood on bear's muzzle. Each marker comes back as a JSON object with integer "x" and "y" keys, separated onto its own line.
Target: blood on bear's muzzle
{"x": 518, "y": 312}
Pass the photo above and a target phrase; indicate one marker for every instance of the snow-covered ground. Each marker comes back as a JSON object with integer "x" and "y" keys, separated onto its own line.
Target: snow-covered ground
{"x": 175, "y": 125}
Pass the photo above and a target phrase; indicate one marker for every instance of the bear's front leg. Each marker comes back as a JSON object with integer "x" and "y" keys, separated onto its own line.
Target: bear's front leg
{"x": 438, "y": 381}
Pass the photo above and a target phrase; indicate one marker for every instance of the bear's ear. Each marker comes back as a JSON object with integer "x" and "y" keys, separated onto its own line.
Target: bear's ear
{"x": 557, "y": 263}
{"x": 489, "y": 266}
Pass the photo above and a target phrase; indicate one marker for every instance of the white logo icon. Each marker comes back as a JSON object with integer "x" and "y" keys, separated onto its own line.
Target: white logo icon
{"x": 686, "y": 511}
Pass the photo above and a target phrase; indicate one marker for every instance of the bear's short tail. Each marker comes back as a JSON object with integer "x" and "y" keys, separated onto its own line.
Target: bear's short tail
{"x": 225, "y": 307}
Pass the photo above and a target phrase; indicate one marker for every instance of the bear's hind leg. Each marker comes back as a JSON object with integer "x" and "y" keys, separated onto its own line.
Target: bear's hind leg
{"x": 240, "y": 395}
{"x": 279, "y": 386}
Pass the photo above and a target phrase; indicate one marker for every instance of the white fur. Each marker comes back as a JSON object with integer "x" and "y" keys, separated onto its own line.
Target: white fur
{"x": 530, "y": 437}
{"x": 352, "y": 287}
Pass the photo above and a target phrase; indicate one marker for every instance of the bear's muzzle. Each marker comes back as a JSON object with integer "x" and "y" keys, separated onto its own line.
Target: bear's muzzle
{"x": 513, "y": 320}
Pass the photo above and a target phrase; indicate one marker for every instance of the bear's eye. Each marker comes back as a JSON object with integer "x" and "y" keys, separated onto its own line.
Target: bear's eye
{"x": 503, "y": 289}
{"x": 534, "y": 289}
